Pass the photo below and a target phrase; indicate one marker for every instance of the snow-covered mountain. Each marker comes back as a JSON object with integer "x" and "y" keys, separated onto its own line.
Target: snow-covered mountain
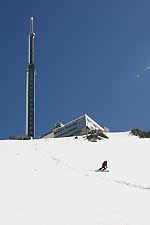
{"x": 52, "y": 181}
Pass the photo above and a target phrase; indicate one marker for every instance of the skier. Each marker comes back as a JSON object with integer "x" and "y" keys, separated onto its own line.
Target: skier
{"x": 104, "y": 166}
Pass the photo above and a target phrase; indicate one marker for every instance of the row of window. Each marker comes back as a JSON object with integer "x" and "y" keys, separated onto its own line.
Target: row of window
{"x": 72, "y": 124}
{"x": 64, "y": 128}
{"x": 68, "y": 132}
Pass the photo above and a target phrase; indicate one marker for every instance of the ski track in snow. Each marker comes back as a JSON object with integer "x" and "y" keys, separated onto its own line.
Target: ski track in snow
{"x": 126, "y": 183}
{"x": 92, "y": 173}
{"x": 85, "y": 172}
{"x": 132, "y": 185}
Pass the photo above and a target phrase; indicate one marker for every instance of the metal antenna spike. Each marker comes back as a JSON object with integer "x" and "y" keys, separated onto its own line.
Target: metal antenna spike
{"x": 31, "y": 24}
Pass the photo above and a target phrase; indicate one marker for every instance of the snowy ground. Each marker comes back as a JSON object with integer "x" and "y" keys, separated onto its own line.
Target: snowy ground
{"x": 52, "y": 181}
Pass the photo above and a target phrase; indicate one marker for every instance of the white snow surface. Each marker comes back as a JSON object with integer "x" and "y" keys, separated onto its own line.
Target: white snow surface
{"x": 52, "y": 181}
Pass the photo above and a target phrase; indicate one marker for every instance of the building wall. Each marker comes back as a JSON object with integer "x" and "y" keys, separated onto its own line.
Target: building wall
{"x": 92, "y": 124}
{"x": 71, "y": 129}
{"x": 50, "y": 135}
{"x": 77, "y": 127}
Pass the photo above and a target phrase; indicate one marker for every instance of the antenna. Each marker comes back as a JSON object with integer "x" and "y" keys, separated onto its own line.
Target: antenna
{"x": 31, "y": 24}
{"x": 30, "y": 90}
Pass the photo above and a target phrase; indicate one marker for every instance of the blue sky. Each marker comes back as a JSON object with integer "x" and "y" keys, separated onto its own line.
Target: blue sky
{"x": 90, "y": 55}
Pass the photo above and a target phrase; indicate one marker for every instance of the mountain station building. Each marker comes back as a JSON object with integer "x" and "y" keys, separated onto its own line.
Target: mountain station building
{"x": 77, "y": 127}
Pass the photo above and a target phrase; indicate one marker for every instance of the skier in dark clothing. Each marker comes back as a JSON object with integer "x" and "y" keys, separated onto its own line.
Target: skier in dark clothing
{"x": 104, "y": 166}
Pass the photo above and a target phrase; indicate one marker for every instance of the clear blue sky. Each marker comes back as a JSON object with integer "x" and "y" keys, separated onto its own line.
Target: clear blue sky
{"x": 91, "y": 57}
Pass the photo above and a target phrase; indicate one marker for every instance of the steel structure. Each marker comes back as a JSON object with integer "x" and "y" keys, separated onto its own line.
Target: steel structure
{"x": 30, "y": 86}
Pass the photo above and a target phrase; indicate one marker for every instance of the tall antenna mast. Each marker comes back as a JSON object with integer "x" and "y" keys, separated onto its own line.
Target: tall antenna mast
{"x": 30, "y": 86}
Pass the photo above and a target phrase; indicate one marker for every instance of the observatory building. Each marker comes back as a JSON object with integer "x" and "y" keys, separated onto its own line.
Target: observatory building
{"x": 77, "y": 127}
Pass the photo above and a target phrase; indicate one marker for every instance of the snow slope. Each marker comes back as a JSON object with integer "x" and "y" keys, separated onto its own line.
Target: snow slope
{"x": 52, "y": 181}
